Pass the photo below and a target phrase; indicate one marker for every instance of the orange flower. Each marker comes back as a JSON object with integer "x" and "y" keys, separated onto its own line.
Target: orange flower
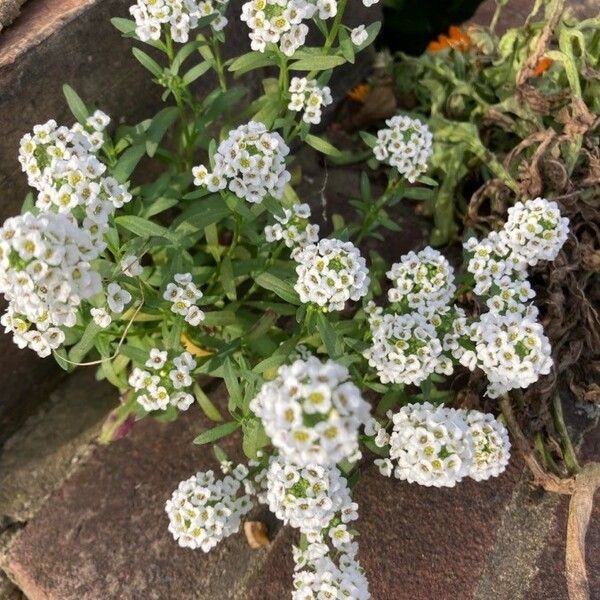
{"x": 543, "y": 65}
{"x": 360, "y": 92}
{"x": 456, "y": 38}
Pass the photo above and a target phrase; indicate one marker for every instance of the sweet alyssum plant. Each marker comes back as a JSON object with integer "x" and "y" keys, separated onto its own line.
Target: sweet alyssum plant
{"x": 214, "y": 269}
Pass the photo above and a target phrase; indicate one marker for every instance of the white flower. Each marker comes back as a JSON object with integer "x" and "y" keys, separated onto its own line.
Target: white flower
{"x": 359, "y": 35}
{"x": 45, "y": 274}
{"x": 130, "y": 266}
{"x": 369, "y": 3}
{"x": 422, "y": 280}
{"x": 179, "y": 16}
{"x": 405, "y": 145}
{"x": 279, "y": 22}
{"x": 431, "y": 446}
{"x": 204, "y": 510}
{"x": 330, "y": 273}
{"x": 385, "y": 466}
{"x": 101, "y": 317}
{"x": 491, "y": 445}
{"x": 535, "y": 230}
{"x": 312, "y": 412}
{"x": 308, "y": 96}
{"x": 117, "y": 298}
{"x": 294, "y": 228}
{"x": 157, "y": 359}
{"x": 250, "y": 162}
{"x": 405, "y": 348}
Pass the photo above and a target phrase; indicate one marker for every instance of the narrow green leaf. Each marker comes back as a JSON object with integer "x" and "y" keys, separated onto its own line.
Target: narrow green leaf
{"x": 207, "y": 406}
{"x": 216, "y": 433}
{"x": 226, "y": 278}
{"x": 125, "y": 26}
{"x": 196, "y": 72}
{"x": 254, "y": 438}
{"x": 283, "y": 289}
{"x": 148, "y": 62}
{"x": 144, "y": 227}
{"x": 76, "y": 104}
{"x": 85, "y": 344}
{"x": 159, "y": 126}
{"x": 128, "y": 162}
{"x": 322, "y": 145}
{"x": 331, "y": 339}
{"x": 232, "y": 384}
{"x": 317, "y": 63}
{"x": 250, "y": 61}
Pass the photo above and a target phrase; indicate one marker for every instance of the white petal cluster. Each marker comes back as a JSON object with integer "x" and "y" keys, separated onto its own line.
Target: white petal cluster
{"x": 422, "y": 280}
{"x": 491, "y": 446}
{"x": 61, "y": 163}
{"x": 45, "y": 273}
{"x": 282, "y": 22}
{"x": 183, "y": 296}
{"x": 439, "y": 446}
{"x": 535, "y": 230}
{"x": 330, "y": 273}
{"x": 430, "y": 445}
{"x": 512, "y": 350}
{"x": 405, "y": 348}
{"x": 319, "y": 574}
{"x": 250, "y": 162}
{"x": 167, "y": 382}
{"x": 406, "y": 144}
{"x": 359, "y": 35}
{"x": 308, "y": 96}
{"x": 312, "y": 412}
{"x": 204, "y": 510}
{"x": 294, "y": 228}
{"x": 179, "y": 17}
{"x": 308, "y": 498}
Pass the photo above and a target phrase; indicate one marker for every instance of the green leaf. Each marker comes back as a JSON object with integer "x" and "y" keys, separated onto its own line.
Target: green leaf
{"x": 250, "y": 61}
{"x": 159, "y": 126}
{"x": 216, "y": 433}
{"x": 85, "y": 344}
{"x": 207, "y": 406}
{"x": 76, "y": 104}
{"x": 317, "y": 63}
{"x": 127, "y": 162}
{"x": 196, "y": 72}
{"x": 144, "y": 227}
{"x": 330, "y": 338}
{"x": 372, "y": 32}
{"x": 322, "y": 145}
{"x": 126, "y": 26}
{"x": 148, "y": 62}
{"x": 283, "y": 289}
{"x": 226, "y": 278}
{"x": 232, "y": 384}
{"x": 255, "y": 437}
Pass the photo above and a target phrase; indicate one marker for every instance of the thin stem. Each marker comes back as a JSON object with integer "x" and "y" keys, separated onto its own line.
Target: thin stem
{"x": 374, "y": 210}
{"x": 569, "y": 455}
{"x": 216, "y": 49}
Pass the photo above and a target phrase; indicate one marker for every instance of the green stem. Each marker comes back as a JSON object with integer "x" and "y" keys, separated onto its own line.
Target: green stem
{"x": 374, "y": 210}
{"x": 569, "y": 455}
{"x": 216, "y": 49}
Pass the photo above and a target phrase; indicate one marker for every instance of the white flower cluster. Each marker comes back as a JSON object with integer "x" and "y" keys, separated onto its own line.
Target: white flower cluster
{"x": 250, "y": 162}
{"x": 317, "y": 574}
{"x": 294, "y": 228}
{"x": 308, "y": 498}
{"x": 330, "y": 273}
{"x": 422, "y": 280}
{"x": 166, "y": 383}
{"x": 45, "y": 273}
{"x": 312, "y": 412}
{"x": 179, "y": 16}
{"x": 405, "y": 348}
{"x": 61, "y": 163}
{"x": 183, "y": 295}
{"x": 281, "y": 22}
{"x": 511, "y": 350}
{"x": 204, "y": 510}
{"x": 307, "y": 96}
{"x": 440, "y": 446}
{"x": 405, "y": 144}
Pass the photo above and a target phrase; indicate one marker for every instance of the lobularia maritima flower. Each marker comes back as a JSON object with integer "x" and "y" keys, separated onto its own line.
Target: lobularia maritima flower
{"x": 204, "y": 510}
{"x": 250, "y": 162}
{"x": 62, "y": 165}
{"x": 439, "y": 446}
{"x": 405, "y": 348}
{"x": 282, "y": 22}
{"x": 330, "y": 273}
{"x": 45, "y": 273}
{"x": 309, "y": 97}
{"x": 294, "y": 228}
{"x": 183, "y": 295}
{"x": 167, "y": 381}
{"x": 312, "y": 412}
{"x": 308, "y": 498}
{"x": 179, "y": 17}
{"x": 491, "y": 446}
{"x": 406, "y": 145}
{"x": 359, "y": 35}
{"x": 422, "y": 280}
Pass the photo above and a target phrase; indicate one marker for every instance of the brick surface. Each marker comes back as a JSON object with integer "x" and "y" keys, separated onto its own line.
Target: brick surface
{"x": 108, "y": 521}
{"x": 416, "y": 543}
